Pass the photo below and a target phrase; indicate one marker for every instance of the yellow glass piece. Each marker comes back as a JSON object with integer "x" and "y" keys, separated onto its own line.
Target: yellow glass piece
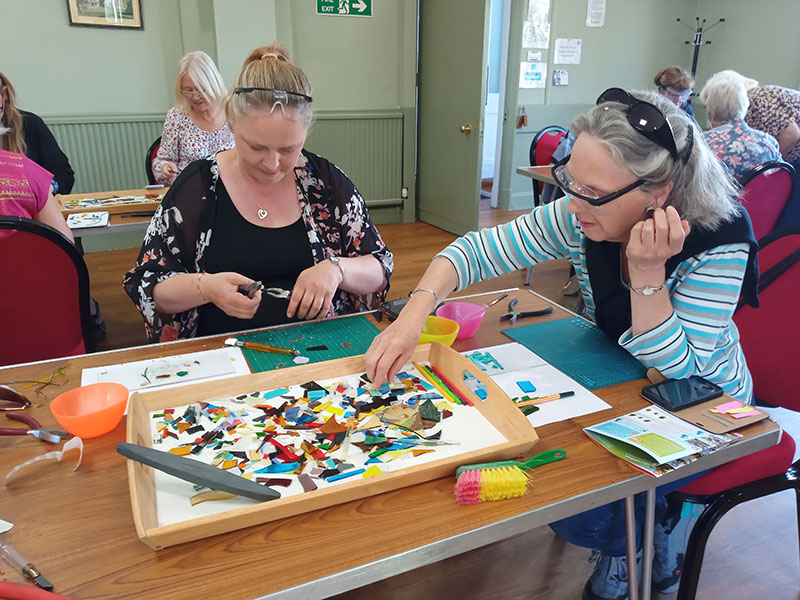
{"x": 181, "y": 450}
{"x": 229, "y": 464}
{"x": 371, "y": 472}
{"x": 210, "y": 496}
{"x": 322, "y": 407}
{"x": 335, "y": 410}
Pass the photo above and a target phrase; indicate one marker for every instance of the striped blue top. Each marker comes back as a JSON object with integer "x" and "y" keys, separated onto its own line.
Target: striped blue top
{"x": 699, "y": 338}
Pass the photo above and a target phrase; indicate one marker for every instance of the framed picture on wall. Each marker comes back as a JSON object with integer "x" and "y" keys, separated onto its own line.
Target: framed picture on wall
{"x": 124, "y": 14}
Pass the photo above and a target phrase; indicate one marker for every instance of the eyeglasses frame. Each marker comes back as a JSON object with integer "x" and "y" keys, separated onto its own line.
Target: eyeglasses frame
{"x": 593, "y": 201}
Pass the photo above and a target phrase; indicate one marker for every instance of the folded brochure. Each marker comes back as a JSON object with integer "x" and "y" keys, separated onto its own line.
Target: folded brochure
{"x": 655, "y": 441}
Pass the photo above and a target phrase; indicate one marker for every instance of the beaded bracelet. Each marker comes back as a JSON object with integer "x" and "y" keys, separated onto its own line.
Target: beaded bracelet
{"x": 199, "y": 289}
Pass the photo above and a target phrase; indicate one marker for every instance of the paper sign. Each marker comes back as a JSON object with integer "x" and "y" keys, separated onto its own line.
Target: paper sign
{"x": 534, "y": 55}
{"x": 532, "y": 75}
{"x": 595, "y": 13}
{"x": 567, "y": 51}
{"x": 560, "y": 77}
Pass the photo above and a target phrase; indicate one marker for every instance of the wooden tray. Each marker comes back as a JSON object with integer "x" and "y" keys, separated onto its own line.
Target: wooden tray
{"x": 111, "y": 207}
{"x": 497, "y": 408}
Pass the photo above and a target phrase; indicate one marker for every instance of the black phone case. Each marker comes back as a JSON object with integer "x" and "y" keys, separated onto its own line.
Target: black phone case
{"x": 649, "y": 393}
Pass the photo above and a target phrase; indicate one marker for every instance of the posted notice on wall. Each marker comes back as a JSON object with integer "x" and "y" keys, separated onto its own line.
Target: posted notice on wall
{"x": 532, "y": 74}
{"x": 595, "y": 13}
{"x": 567, "y": 51}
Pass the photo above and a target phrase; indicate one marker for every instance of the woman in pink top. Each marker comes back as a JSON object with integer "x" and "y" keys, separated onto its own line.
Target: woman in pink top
{"x": 196, "y": 126}
{"x": 25, "y": 192}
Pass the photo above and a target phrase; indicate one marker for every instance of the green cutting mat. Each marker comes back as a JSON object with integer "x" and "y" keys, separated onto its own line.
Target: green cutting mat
{"x": 579, "y": 349}
{"x": 356, "y": 333}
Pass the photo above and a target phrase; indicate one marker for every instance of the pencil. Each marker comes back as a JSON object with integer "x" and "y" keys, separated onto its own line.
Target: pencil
{"x": 267, "y": 348}
{"x": 545, "y": 398}
{"x": 450, "y": 386}
{"x": 437, "y": 384}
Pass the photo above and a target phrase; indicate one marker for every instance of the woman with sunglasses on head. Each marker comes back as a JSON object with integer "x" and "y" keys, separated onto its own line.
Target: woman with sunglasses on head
{"x": 675, "y": 84}
{"x": 196, "y": 126}
{"x": 265, "y": 211}
{"x": 662, "y": 251}
{"x": 26, "y": 133}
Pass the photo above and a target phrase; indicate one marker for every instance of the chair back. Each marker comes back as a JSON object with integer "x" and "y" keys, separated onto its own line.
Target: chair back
{"x": 44, "y": 306}
{"x": 765, "y": 193}
{"x": 543, "y": 145}
{"x": 769, "y": 333}
{"x": 152, "y": 151}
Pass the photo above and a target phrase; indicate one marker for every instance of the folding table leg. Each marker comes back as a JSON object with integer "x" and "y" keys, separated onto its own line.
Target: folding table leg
{"x": 647, "y": 542}
{"x": 630, "y": 534}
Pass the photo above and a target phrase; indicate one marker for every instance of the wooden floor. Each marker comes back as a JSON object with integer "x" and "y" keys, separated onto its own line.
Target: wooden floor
{"x": 752, "y": 554}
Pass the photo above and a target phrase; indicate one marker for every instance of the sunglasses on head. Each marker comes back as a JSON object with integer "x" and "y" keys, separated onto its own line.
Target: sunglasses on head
{"x": 644, "y": 117}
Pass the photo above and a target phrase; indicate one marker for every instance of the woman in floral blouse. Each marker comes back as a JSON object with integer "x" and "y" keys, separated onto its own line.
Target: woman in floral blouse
{"x": 738, "y": 146}
{"x": 266, "y": 211}
{"x": 196, "y": 126}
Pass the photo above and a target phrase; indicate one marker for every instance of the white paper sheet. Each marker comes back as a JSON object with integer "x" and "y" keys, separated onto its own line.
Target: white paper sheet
{"x": 532, "y": 75}
{"x": 567, "y": 51}
{"x": 595, "y": 13}
{"x": 520, "y": 364}
{"x": 182, "y": 369}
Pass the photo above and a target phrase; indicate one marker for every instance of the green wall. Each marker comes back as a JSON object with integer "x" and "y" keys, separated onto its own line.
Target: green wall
{"x": 638, "y": 38}
{"x": 758, "y": 39}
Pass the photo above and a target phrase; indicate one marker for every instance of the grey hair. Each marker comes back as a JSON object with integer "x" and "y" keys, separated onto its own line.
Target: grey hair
{"x": 703, "y": 192}
{"x": 201, "y": 69}
{"x": 725, "y": 98}
{"x": 747, "y": 82}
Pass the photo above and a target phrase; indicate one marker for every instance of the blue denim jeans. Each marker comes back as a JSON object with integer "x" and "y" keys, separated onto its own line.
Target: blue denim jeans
{"x": 603, "y": 527}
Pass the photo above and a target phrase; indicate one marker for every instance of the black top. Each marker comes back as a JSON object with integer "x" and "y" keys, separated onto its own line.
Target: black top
{"x": 613, "y": 301}
{"x": 43, "y": 149}
{"x": 274, "y": 256}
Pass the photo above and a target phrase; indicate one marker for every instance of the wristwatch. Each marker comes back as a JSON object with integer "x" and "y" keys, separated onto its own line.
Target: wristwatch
{"x": 337, "y": 261}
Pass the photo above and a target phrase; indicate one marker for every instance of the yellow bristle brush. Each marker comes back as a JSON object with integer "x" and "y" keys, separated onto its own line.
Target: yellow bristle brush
{"x": 484, "y": 482}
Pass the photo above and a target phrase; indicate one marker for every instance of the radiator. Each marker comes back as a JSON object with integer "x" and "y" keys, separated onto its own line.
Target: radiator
{"x": 107, "y": 152}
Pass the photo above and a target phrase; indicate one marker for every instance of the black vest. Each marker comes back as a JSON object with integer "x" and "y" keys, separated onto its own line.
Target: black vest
{"x": 613, "y": 302}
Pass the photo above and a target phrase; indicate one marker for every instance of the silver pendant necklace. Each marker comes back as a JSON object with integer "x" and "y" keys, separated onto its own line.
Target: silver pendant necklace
{"x": 262, "y": 213}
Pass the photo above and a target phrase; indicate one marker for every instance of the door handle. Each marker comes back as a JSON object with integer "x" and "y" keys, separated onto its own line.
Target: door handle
{"x": 466, "y": 129}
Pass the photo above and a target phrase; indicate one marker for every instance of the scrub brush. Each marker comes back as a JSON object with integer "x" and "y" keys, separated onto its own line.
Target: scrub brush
{"x": 484, "y": 482}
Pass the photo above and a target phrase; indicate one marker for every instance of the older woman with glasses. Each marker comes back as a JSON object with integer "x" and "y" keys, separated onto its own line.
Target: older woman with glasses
{"x": 662, "y": 251}
{"x": 196, "y": 126}
{"x": 265, "y": 211}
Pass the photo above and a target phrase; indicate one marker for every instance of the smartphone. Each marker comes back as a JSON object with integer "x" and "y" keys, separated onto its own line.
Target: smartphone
{"x": 677, "y": 394}
{"x": 392, "y": 309}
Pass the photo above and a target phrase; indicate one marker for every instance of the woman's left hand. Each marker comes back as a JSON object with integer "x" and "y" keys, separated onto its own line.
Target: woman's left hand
{"x": 655, "y": 240}
{"x": 313, "y": 291}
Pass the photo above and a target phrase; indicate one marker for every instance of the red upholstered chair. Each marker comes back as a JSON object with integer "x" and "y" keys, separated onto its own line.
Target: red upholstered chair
{"x": 152, "y": 151}
{"x": 44, "y": 304}
{"x": 765, "y": 193}
{"x": 543, "y": 145}
{"x": 769, "y": 338}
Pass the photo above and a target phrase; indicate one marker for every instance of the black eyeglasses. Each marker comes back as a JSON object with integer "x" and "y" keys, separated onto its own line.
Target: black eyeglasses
{"x": 280, "y": 95}
{"x": 564, "y": 180}
{"x": 645, "y": 118}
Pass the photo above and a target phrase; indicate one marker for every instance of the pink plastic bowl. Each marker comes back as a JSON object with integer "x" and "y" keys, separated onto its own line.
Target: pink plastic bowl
{"x": 460, "y": 313}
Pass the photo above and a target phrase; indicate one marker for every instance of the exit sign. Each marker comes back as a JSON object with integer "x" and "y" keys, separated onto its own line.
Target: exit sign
{"x": 345, "y": 8}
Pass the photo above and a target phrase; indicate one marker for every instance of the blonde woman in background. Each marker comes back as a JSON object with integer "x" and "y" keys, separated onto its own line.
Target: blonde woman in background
{"x": 196, "y": 127}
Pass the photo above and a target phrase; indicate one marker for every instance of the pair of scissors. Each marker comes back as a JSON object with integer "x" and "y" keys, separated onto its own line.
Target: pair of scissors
{"x": 35, "y": 429}
{"x": 512, "y": 315}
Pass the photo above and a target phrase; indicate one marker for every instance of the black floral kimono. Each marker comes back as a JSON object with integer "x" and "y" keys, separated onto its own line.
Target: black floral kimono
{"x": 334, "y": 213}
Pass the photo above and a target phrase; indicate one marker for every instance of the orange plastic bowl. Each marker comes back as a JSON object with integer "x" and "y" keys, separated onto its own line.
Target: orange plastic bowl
{"x": 438, "y": 329}
{"x": 90, "y": 410}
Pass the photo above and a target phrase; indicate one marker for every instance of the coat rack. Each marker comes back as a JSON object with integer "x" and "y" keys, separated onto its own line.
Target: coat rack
{"x": 698, "y": 38}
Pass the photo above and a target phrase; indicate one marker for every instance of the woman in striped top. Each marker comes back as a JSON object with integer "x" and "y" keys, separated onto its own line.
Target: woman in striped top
{"x": 662, "y": 252}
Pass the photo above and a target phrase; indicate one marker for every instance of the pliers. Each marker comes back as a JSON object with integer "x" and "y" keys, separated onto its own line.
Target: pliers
{"x": 34, "y": 428}
{"x": 250, "y": 290}
{"x": 512, "y": 315}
